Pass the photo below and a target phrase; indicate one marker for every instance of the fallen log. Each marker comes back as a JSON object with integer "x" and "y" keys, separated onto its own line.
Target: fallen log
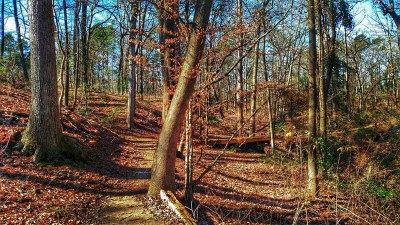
{"x": 239, "y": 140}
{"x": 20, "y": 114}
{"x": 177, "y": 207}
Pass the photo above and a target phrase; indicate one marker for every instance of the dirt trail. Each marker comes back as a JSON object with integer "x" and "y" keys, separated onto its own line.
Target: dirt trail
{"x": 132, "y": 209}
{"x": 131, "y": 160}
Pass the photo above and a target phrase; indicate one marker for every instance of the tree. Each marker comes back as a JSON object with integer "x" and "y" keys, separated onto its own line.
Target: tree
{"x": 75, "y": 50}
{"x": 2, "y": 29}
{"x": 312, "y": 101}
{"x": 132, "y": 75}
{"x": 321, "y": 69}
{"x": 43, "y": 134}
{"x": 239, "y": 88}
{"x": 169, "y": 50}
{"x": 66, "y": 85}
{"x": 253, "y": 100}
{"x": 163, "y": 169}
{"x": 20, "y": 42}
{"x": 85, "y": 51}
{"x": 390, "y": 8}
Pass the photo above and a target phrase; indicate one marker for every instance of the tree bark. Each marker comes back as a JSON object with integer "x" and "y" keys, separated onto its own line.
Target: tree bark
{"x": 312, "y": 101}
{"x": 84, "y": 46}
{"x": 346, "y": 73}
{"x": 168, "y": 32}
{"x": 44, "y": 131}
{"x": 2, "y": 42}
{"x": 321, "y": 64}
{"x": 163, "y": 169}
{"x": 253, "y": 100}
{"x": 66, "y": 85}
{"x": 20, "y": 42}
{"x": 239, "y": 88}
{"x": 188, "y": 157}
{"x": 76, "y": 50}
{"x": 132, "y": 64}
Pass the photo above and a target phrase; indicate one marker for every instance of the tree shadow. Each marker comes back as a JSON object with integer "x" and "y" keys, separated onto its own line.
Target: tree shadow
{"x": 254, "y": 208}
{"x": 70, "y": 185}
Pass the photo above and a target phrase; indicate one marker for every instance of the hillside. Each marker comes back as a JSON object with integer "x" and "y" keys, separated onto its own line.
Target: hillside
{"x": 246, "y": 186}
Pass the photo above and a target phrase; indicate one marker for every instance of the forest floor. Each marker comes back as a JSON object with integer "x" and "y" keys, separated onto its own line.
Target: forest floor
{"x": 244, "y": 187}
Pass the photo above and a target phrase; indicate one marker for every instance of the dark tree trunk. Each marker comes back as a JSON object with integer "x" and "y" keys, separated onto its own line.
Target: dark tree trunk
{"x": 163, "y": 169}
{"x": 321, "y": 70}
{"x": 346, "y": 73}
{"x": 121, "y": 64}
{"x": 239, "y": 88}
{"x": 2, "y": 29}
{"x": 253, "y": 100}
{"x": 44, "y": 131}
{"x": 66, "y": 85}
{"x": 84, "y": 46}
{"x": 132, "y": 75}
{"x": 168, "y": 31}
{"x": 20, "y": 42}
{"x": 312, "y": 101}
{"x": 76, "y": 50}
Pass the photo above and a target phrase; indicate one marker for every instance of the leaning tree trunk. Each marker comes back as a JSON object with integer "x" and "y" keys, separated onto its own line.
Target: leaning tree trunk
{"x": 312, "y": 102}
{"x": 19, "y": 40}
{"x": 163, "y": 169}
{"x": 43, "y": 133}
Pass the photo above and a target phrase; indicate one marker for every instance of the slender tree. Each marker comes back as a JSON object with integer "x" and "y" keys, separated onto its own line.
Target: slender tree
{"x": 312, "y": 101}
{"x": 75, "y": 50}
{"x": 66, "y": 85}
{"x": 2, "y": 42}
{"x": 321, "y": 69}
{"x": 132, "y": 75}
{"x": 239, "y": 88}
{"x": 84, "y": 48}
{"x": 163, "y": 169}
{"x": 20, "y": 41}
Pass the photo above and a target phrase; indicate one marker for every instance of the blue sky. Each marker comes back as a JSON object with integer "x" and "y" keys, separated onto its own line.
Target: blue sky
{"x": 363, "y": 13}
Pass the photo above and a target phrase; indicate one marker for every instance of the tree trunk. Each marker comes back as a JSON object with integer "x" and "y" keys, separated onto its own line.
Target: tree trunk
{"x": 44, "y": 131}
{"x": 66, "y": 85}
{"x": 76, "y": 50}
{"x": 188, "y": 158}
{"x": 20, "y": 41}
{"x": 253, "y": 100}
{"x": 312, "y": 101}
{"x": 321, "y": 64}
{"x": 271, "y": 121}
{"x": 346, "y": 73}
{"x": 121, "y": 64}
{"x": 132, "y": 75}
{"x": 168, "y": 32}
{"x": 2, "y": 42}
{"x": 163, "y": 169}
{"x": 239, "y": 89}
{"x": 84, "y": 46}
